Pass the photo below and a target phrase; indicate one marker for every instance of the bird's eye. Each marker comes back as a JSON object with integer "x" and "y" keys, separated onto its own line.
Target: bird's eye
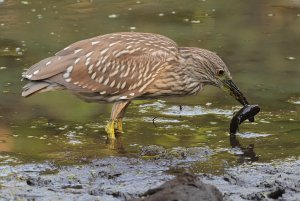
{"x": 220, "y": 72}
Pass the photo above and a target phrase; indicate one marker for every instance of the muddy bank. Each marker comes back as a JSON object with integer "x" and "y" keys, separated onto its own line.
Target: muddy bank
{"x": 259, "y": 181}
{"x": 123, "y": 178}
{"x": 109, "y": 179}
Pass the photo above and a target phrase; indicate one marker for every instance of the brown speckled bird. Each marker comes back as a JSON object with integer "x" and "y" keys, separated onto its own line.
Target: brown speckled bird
{"x": 121, "y": 67}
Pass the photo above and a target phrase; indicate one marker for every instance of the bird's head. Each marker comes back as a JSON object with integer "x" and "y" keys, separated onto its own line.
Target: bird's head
{"x": 223, "y": 80}
{"x": 211, "y": 70}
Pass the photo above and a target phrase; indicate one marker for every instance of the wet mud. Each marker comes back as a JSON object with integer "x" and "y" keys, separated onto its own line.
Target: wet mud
{"x": 145, "y": 175}
{"x": 259, "y": 181}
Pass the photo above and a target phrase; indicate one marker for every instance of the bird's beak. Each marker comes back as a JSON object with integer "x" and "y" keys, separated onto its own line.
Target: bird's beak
{"x": 229, "y": 86}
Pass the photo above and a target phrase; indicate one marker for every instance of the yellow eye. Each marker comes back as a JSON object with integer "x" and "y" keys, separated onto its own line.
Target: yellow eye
{"x": 220, "y": 72}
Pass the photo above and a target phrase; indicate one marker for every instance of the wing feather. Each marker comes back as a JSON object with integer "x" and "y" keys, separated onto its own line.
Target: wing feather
{"x": 118, "y": 65}
{"x": 48, "y": 67}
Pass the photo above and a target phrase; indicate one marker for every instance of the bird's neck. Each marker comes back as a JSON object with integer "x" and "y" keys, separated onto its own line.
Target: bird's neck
{"x": 195, "y": 66}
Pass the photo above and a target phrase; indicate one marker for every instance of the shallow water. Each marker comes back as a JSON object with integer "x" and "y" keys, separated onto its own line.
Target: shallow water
{"x": 258, "y": 41}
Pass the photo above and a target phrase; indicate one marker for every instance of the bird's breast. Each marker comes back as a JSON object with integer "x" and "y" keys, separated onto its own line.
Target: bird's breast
{"x": 173, "y": 83}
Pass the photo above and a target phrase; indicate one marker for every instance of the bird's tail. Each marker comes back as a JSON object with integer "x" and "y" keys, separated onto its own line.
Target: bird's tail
{"x": 39, "y": 86}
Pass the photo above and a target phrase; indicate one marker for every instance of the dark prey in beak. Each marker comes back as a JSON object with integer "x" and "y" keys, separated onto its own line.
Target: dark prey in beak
{"x": 235, "y": 92}
{"x": 246, "y": 112}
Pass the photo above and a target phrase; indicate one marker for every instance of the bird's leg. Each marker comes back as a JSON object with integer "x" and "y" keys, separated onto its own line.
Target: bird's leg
{"x": 119, "y": 125}
{"x": 116, "y": 114}
{"x": 120, "y": 117}
{"x": 180, "y": 108}
{"x": 109, "y": 128}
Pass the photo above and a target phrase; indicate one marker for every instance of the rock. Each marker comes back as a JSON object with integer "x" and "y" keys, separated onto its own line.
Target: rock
{"x": 175, "y": 155}
{"x": 182, "y": 188}
{"x": 37, "y": 181}
{"x": 152, "y": 150}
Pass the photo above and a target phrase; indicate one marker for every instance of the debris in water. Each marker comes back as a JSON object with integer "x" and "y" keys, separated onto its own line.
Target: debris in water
{"x": 24, "y": 2}
{"x": 294, "y": 100}
{"x": 290, "y": 58}
{"x": 113, "y": 16}
{"x": 195, "y": 21}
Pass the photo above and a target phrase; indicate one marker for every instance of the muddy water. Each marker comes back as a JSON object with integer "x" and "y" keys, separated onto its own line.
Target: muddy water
{"x": 258, "y": 40}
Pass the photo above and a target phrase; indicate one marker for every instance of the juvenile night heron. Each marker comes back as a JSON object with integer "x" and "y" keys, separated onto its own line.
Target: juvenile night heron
{"x": 121, "y": 67}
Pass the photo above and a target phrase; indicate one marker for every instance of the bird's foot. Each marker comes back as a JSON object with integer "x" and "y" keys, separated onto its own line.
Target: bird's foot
{"x": 110, "y": 129}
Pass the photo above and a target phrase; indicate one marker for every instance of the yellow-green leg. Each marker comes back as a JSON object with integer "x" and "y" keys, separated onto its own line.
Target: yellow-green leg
{"x": 110, "y": 129}
{"x": 117, "y": 113}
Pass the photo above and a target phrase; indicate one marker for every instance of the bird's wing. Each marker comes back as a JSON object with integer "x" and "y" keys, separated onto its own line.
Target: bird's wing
{"x": 114, "y": 64}
{"x": 48, "y": 67}
{"x": 54, "y": 65}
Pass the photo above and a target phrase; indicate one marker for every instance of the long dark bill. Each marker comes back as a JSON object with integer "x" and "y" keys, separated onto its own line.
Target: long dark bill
{"x": 235, "y": 92}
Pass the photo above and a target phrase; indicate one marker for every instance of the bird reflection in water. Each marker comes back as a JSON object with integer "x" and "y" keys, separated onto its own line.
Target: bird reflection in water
{"x": 248, "y": 154}
{"x": 116, "y": 144}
